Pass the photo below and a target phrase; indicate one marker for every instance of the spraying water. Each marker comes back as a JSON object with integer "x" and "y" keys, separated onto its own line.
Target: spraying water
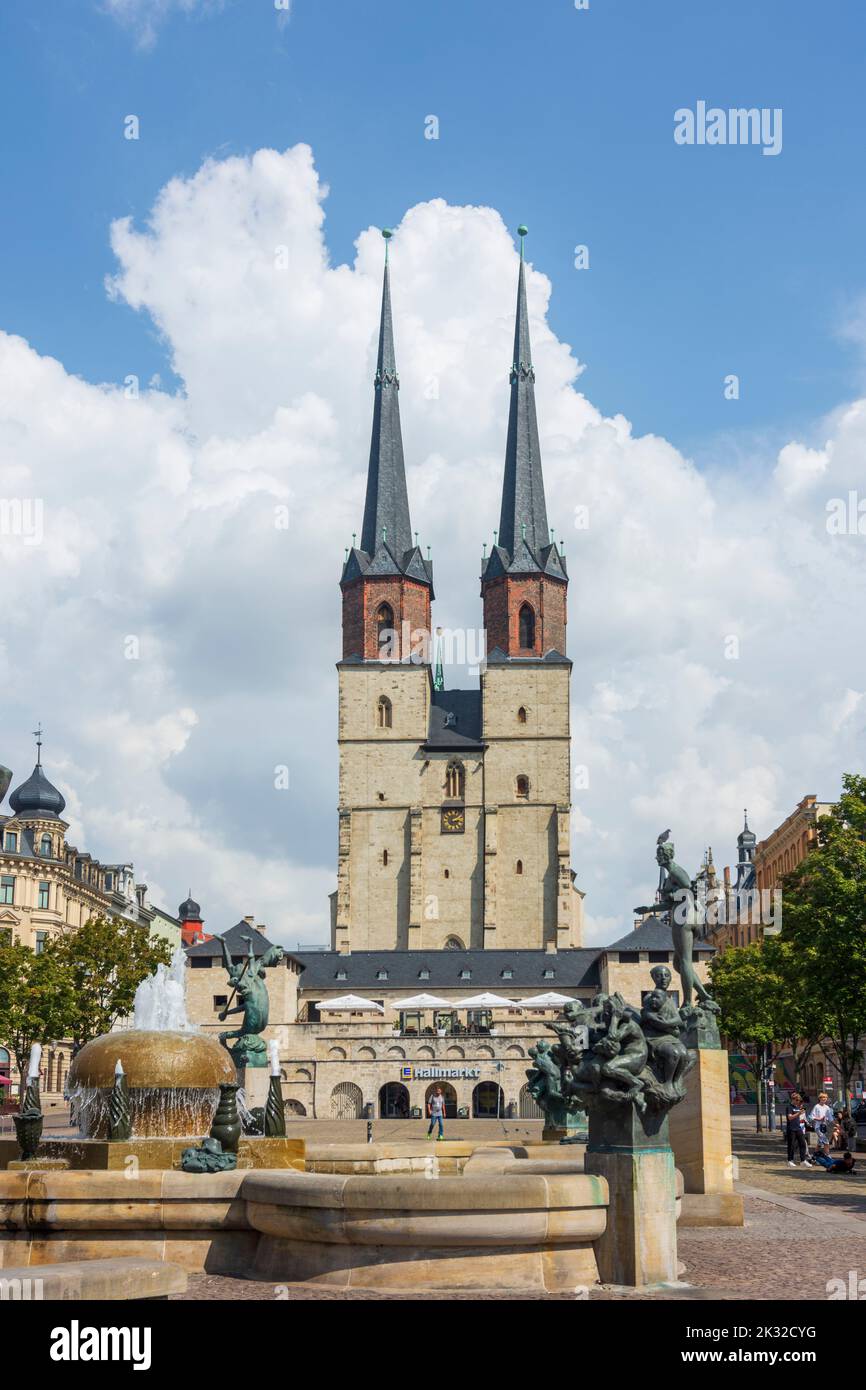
{"x": 160, "y": 1000}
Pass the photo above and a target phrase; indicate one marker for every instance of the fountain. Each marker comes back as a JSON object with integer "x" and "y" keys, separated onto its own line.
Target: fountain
{"x": 173, "y": 1071}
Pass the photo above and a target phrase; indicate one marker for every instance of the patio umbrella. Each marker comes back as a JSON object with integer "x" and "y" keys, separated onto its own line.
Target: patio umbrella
{"x": 551, "y": 1000}
{"x": 487, "y": 1001}
{"x": 422, "y": 1001}
{"x": 351, "y": 1001}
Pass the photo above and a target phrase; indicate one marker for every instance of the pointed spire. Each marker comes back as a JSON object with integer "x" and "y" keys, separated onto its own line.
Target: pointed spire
{"x": 524, "y": 513}
{"x": 386, "y": 511}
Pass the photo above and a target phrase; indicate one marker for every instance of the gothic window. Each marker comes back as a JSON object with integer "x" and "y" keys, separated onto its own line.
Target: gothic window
{"x": 526, "y": 621}
{"x": 521, "y": 715}
{"x": 519, "y": 869}
{"x": 384, "y": 712}
{"x": 385, "y": 629}
{"x": 454, "y": 781}
{"x": 454, "y": 944}
{"x": 522, "y": 785}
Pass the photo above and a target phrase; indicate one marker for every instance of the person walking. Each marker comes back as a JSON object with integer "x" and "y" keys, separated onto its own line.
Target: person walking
{"x": 795, "y": 1131}
{"x": 436, "y": 1111}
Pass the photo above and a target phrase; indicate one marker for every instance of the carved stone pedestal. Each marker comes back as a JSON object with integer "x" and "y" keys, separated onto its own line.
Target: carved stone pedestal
{"x": 639, "y": 1245}
{"x": 700, "y": 1130}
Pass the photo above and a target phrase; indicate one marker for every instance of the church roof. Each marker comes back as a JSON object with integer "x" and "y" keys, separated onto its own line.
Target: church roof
{"x": 455, "y": 719}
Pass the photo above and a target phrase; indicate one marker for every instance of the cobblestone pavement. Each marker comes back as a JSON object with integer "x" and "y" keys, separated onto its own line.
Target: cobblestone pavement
{"x": 804, "y": 1230}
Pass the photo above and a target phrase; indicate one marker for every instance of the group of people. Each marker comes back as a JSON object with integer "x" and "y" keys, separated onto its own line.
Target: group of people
{"x": 831, "y": 1131}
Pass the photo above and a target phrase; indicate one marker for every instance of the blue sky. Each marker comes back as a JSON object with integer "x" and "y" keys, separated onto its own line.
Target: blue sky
{"x": 702, "y": 261}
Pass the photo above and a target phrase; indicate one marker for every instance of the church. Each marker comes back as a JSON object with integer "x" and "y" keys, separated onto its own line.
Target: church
{"x": 454, "y": 805}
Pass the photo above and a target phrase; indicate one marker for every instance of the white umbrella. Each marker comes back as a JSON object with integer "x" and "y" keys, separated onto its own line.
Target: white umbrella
{"x": 351, "y": 1001}
{"x": 487, "y": 1001}
{"x": 551, "y": 1000}
{"x": 421, "y": 1001}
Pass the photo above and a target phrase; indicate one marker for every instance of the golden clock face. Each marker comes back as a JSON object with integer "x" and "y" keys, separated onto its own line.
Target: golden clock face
{"x": 453, "y": 821}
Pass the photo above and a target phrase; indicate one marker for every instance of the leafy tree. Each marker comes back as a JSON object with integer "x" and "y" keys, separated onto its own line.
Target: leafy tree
{"x": 824, "y": 922}
{"x": 105, "y": 962}
{"x": 36, "y": 999}
{"x": 765, "y": 994}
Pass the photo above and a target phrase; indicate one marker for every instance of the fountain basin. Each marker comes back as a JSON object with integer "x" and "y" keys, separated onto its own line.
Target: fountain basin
{"x": 173, "y": 1079}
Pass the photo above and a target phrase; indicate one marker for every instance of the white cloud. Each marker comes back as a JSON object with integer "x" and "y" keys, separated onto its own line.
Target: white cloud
{"x": 146, "y": 17}
{"x": 714, "y": 626}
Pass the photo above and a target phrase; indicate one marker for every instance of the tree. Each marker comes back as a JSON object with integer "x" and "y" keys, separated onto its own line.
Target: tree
{"x": 749, "y": 995}
{"x": 105, "y": 962}
{"x": 36, "y": 999}
{"x": 824, "y": 922}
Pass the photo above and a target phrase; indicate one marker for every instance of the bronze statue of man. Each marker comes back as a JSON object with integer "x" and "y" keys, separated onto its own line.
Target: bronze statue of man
{"x": 678, "y": 898}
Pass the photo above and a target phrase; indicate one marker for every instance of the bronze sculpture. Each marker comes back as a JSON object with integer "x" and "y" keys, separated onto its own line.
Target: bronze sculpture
{"x": 248, "y": 981}
{"x": 678, "y": 897}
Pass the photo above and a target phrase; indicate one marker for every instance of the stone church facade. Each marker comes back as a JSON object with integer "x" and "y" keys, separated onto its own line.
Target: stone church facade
{"x": 454, "y": 805}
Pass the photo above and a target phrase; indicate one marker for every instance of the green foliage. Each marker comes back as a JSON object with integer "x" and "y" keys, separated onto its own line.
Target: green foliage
{"x": 35, "y": 999}
{"x": 105, "y": 962}
{"x": 824, "y": 920}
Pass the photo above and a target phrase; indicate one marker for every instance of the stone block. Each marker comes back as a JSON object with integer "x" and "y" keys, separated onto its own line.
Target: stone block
{"x": 700, "y": 1126}
{"x": 104, "y": 1280}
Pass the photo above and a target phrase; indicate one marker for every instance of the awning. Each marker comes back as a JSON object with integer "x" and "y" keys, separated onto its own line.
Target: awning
{"x": 422, "y": 1001}
{"x": 551, "y": 1000}
{"x": 351, "y": 1001}
{"x": 486, "y": 1001}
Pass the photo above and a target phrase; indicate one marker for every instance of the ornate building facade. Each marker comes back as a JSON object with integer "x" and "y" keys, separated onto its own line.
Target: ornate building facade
{"x": 454, "y": 805}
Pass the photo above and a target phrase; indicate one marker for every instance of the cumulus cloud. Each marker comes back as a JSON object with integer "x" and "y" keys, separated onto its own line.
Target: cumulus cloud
{"x": 179, "y": 640}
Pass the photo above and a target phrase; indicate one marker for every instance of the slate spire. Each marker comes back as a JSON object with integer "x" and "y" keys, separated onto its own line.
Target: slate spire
{"x": 524, "y": 514}
{"x": 387, "y": 545}
{"x": 386, "y": 511}
{"x": 523, "y": 541}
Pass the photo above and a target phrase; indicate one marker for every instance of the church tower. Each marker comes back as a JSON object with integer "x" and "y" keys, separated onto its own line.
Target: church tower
{"x": 384, "y": 690}
{"x": 529, "y": 898}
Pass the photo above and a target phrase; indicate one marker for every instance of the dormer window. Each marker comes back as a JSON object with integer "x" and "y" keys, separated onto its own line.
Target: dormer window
{"x": 10, "y": 842}
{"x": 423, "y": 974}
{"x": 381, "y": 974}
{"x": 45, "y": 847}
{"x": 549, "y": 974}
{"x": 507, "y": 975}
{"x": 466, "y": 974}
{"x": 341, "y": 975}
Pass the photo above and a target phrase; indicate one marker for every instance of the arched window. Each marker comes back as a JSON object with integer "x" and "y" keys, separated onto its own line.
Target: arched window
{"x": 447, "y": 873}
{"x": 522, "y": 785}
{"x": 454, "y": 781}
{"x": 519, "y": 868}
{"x": 384, "y": 858}
{"x": 384, "y": 712}
{"x": 385, "y": 634}
{"x": 454, "y": 944}
{"x": 521, "y": 715}
{"x": 526, "y": 621}
{"x": 45, "y": 846}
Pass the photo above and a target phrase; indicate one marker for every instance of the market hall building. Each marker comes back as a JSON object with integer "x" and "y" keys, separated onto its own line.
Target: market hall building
{"x": 455, "y": 896}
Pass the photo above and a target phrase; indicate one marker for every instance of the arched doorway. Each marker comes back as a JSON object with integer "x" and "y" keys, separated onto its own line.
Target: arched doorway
{"x": 346, "y": 1101}
{"x": 450, "y": 1095}
{"x": 487, "y": 1101}
{"x": 393, "y": 1101}
{"x": 294, "y": 1107}
{"x": 529, "y": 1108}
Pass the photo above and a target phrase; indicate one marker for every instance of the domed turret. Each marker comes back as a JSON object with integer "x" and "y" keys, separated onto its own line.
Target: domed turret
{"x": 189, "y": 911}
{"x": 37, "y": 798}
